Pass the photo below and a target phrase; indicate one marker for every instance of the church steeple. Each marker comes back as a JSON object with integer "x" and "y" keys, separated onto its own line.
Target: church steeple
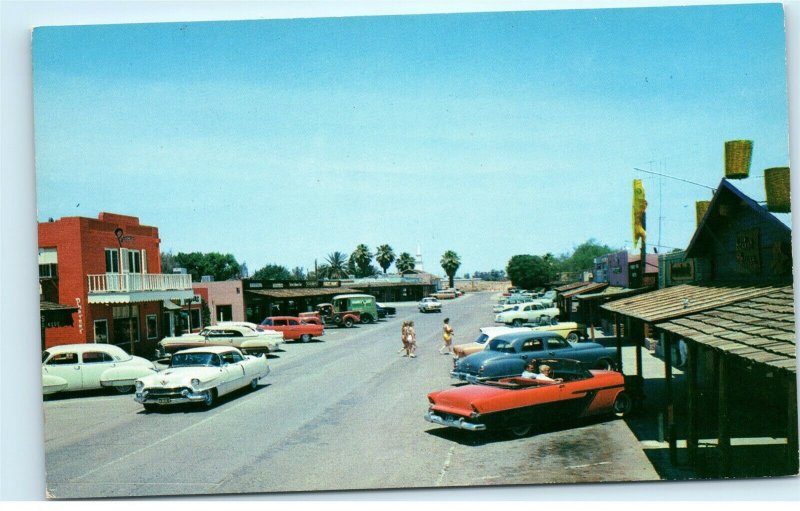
{"x": 418, "y": 260}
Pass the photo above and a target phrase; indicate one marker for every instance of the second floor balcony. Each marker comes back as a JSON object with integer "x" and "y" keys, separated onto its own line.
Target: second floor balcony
{"x": 139, "y": 287}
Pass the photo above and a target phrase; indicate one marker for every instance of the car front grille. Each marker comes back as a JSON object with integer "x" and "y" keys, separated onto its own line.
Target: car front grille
{"x": 171, "y": 393}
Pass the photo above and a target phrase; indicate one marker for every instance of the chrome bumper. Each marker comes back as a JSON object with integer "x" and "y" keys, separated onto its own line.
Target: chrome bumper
{"x": 459, "y": 423}
{"x": 471, "y": 378}
{"x": 189, "y": 397}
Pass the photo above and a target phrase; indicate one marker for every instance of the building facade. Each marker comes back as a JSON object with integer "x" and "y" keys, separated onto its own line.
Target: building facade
{"x": 109, "y": 269}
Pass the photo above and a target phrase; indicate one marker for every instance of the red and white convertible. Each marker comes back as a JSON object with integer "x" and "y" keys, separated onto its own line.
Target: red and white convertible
{"x": 517, "y": 404}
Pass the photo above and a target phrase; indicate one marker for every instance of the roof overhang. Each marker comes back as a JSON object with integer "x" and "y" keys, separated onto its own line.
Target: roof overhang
{"x": 115, "y": 298}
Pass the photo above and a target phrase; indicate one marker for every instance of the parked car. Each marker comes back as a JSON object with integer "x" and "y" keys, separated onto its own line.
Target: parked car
{"x": 528, "y": 312}
{"x": 385, "y": 310}
{"x": 361, "y": 303}
{"x": 292, "y": 328}
{"x": 73, "y": 367}
{"x": 444, "y": 294}
{"x": 200, "y": 375}
{"x": 430, "y": 304}
{"x": 506, "y": 355}
{"x": 516, "y": 404}
{"x": 253, "y": 341}
{"x": 329, "y": 316}
{"x": 569, "y": 330}
{"x": 486, "y": 334}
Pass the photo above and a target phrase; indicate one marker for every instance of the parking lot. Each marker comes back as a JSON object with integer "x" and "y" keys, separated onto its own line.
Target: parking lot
{"x": 343, "y": 412}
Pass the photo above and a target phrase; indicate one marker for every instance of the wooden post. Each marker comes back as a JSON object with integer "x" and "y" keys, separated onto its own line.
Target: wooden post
{"x": 724, "y": 440}
{"x": 591, "y": 321}
{"x": 666, "y": 341}
{"x": 618, "y": 331}
{"x": 639, "y": 339}
{"x": 791, "y": 430}
{"x": 691, "y": 380}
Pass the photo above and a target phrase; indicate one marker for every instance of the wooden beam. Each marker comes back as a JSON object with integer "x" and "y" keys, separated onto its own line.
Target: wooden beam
{"x": 723, "y": 425}
{"x": 791, "y": 430}
{"x": 638, "y": 338}
{"x": 666, "y": 341}
{"x": 692, "y": 402}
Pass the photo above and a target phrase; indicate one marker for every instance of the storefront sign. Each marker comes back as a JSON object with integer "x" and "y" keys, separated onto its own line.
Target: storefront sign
{"x": 748, "y": 257}
{"x": 80, "y": 315}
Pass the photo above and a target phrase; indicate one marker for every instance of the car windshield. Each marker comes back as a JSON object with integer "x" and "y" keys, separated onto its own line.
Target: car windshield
{"x": 194, "y": 359}
{"x": 45, "y": 354}
{"x": 481, "y": 339}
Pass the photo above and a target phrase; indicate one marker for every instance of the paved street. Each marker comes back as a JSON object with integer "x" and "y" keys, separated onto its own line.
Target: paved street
{"x": 341, "y": 413}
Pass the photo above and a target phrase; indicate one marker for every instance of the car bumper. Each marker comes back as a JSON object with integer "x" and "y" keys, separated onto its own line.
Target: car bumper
{"x": 467, "y": 377}
{"x": 187, "y": 397}
{"x": 459, "y": 423}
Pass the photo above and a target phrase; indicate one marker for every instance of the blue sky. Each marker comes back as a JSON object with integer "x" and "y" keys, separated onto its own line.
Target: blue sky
{"x": 491, "y": 134}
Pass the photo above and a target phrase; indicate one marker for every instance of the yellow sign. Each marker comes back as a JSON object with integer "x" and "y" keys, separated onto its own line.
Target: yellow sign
{"x": 639, "y": 206}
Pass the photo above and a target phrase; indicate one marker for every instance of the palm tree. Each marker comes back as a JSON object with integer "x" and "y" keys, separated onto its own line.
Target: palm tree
{"x": 450, "y": 263}
{"x": 362, "y": 258}
{"x": 335, "y": 266}
{"x": 385, "y": 257}
{"x": 404, "y": 263}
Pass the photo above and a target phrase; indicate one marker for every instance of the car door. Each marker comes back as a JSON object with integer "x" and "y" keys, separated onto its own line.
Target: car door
{"x": 233, "y": 370}
{"x": 94, "y": 364}
{"x": 558, "y": 347}
{"x": 531, "y": 348}
{"x": 66, "y": 365}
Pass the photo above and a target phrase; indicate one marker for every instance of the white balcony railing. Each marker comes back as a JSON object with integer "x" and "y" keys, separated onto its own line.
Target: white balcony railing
{"x": 138, "y": 282}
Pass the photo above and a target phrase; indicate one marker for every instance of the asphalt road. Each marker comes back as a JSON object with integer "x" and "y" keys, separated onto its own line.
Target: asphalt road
{"x": 341, "y": 413}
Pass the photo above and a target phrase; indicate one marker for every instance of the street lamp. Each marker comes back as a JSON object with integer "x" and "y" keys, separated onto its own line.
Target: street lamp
{"x": 120, "y": 234}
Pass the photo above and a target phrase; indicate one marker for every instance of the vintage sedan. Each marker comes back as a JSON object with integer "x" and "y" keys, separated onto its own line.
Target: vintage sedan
{"x": 430, "y": 304}
{"x": 385, "y": 310}
{"x": 506, "y": 355}
{"x": 292, "y": 328}
{"x": 200, "y": 375}
{"x": 517, "y": 404}
{"x": 569, "y": 330}
{"x": 486, "y": 334}
{"x": 536, "y": 311}
{"x": 237, "y": 335}
{"x": 72, "y": 367}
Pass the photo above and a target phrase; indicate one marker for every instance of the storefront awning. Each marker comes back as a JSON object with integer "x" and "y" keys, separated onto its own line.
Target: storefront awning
{"x": 760, "y": 329}
{"x": 587, "y": 288}
{"x": 171, "y": 306}
{"x": 302, "y": 292}
{"x": 674, "y": 302}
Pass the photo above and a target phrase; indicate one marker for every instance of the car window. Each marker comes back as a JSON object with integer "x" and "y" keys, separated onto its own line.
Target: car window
{"x": 279, "y": 322}
{"x": 236, "y": 357}
{"x": 501, "y": 345}
{"x": 532, "y": 345}
{"x": 96, "y": 357}
{"x": 267, "y": 322}
{"x": 293, "y": 322}
{"x": 235, "y": 333}
{"x": 63, "y": 359}
{"x": 527, "y": 308}
{"x": 556, "y": 343}
{"x": 194, "y": 359}
{"x": 227, "y": 358}
{"x": 481, "y": 339}
{"x": 45, "y": 354}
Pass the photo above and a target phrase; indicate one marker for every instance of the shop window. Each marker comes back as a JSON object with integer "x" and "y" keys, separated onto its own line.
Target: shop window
{"x": 152, "y": 326}
{"x": 101, "y": 331}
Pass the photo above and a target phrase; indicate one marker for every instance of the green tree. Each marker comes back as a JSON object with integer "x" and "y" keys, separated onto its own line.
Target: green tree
{"x": 530, "y": 271}
{"x": 361, "y": 261}
{"x": 272, "y": 272}
{"x": 167, "y": 262}
{"x": 404, "y": 262}
{"x": 450, "y": 263}
{"x": 298, "y": 273}
{"x": 583, "y": 256}
{"x": 385, "y": 257}
{"x": 219, "y": 266}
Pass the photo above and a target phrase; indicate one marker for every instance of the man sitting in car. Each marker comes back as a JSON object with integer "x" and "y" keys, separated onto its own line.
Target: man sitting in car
{"x": 542, "y": 375}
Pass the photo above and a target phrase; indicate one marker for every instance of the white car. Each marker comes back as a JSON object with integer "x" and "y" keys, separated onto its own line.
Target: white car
{"x": 237, "y": 335}
{"x": 533, "y": 312}
{"x": 73, "y": 367}
{"x": 200, "y": 375}
{"x": 430, "y": 304}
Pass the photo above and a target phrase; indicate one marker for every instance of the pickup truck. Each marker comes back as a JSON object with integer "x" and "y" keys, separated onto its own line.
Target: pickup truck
{"x": 531, "y": 312}
{"x": 325, "y": 315}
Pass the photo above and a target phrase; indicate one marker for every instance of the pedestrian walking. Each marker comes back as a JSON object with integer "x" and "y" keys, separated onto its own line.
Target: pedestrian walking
{"x": 411, "y": 339}
{"x": 403, "y": 334}
{"x": 447, "y": 338}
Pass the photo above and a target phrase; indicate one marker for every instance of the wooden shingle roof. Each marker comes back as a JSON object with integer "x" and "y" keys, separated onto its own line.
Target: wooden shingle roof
{"x": 589, "y": 287}
{"x": 760, "y": 329}
{"x": 674, "y": 302}
{"x": 302, "y": 292}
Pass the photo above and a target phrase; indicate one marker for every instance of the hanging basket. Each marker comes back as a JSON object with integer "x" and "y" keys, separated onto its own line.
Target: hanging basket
{"x": 776, "y": 184}
{"x": 701, "y": 207}
{"x": 737, "y": 158}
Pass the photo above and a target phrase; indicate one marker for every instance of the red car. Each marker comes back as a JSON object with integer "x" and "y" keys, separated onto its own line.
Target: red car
{"x": 517, "y": 404}
{"x": 292, "y": 327}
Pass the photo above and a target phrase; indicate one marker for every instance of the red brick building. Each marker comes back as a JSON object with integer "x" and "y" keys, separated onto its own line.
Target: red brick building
{"x": 110, "y": 269}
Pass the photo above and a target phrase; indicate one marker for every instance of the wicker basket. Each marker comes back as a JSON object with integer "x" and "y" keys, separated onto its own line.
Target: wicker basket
{"x": 701, "y": 207}
{"x": 776, "y": 183}
{"x": 737, "y": 158}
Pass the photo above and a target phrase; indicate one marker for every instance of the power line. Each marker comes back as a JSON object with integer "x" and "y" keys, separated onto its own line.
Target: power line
{"x": 676, "y": 178}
